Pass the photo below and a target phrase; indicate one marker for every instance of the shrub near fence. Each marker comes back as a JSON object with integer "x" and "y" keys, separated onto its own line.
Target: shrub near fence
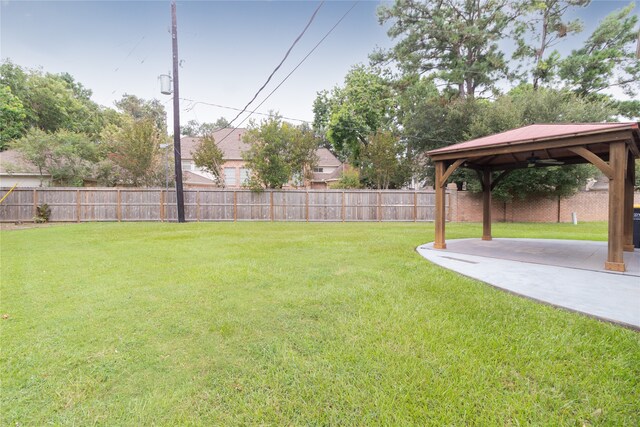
{"x": 153, "y": 204}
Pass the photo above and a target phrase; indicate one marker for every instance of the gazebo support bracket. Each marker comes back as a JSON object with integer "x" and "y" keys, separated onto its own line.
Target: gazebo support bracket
{"x": 605, "y": 168}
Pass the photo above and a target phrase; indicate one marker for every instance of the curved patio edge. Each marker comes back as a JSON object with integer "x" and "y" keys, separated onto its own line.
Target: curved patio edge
{"x": 603, "y": 295}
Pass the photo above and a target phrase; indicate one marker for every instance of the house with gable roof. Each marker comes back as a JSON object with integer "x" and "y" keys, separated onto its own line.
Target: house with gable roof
{"x": 236, "y": 173}
{"x": 16, "y": 170}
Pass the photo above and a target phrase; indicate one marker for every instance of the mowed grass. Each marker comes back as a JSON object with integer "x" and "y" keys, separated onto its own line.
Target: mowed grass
{"x": 292, "y": 324}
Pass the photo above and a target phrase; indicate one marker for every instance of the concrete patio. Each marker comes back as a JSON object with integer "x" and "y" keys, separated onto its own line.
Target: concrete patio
{"x": 564, "y": 273}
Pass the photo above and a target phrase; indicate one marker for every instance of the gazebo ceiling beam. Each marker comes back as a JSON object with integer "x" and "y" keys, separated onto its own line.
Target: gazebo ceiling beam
{"x": 521, "y": 165}
{"x": 484, "y": 160}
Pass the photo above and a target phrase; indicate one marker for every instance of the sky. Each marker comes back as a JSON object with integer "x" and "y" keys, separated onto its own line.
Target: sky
{"x": 227, "y": 49}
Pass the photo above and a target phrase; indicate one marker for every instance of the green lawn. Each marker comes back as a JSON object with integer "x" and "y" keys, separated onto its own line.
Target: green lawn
{"x": 292, "y": 324}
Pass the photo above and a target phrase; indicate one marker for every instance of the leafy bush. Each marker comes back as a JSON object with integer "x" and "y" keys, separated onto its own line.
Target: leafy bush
{"x": 43, "y": 212}
{"x": 348, "y": 179}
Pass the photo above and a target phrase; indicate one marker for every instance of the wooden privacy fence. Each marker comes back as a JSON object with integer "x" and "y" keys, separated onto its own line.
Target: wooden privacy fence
{"x": 153, "y": 204}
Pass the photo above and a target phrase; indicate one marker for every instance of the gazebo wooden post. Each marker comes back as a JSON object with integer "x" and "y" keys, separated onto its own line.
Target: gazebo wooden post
{"x": 440, "y": 206}
{"x": 628, "y": 203}
{"x": 486, "y": 204}
{"x": 618, "y": 162}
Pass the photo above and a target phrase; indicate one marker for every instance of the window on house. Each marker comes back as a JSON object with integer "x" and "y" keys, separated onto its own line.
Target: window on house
{"x": 244, "y": 176}
{"x": 186, "y": 165}
{"x": 230, "y": 176}
{"x": 318, "y": 170}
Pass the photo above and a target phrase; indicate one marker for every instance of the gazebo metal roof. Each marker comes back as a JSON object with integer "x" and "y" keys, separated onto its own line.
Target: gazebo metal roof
{"x": 511, "y": 149}
{"x": 611, "y": 147}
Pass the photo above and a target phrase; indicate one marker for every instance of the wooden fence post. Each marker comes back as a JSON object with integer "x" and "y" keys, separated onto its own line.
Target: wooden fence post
{"x": 307, "y": 205}
{"x": 78, "y": 207}
{"x": 235, "y": 206}
{"x": 35, "y": 203}
{"x": 198, "y": 205}
{"x": 162, "y": 213}
{"x": 415, "y": 206}
{"x": 343, "y": 210}
{"x": 271, "y": 204}
{"x": 119, "y": 206}
{"x": 379, "y": 207}
{"x": 284, "y": 207}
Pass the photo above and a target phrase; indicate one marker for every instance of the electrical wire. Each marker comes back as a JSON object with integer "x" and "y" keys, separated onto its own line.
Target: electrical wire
{"x": 194, "y": 103}
{"x": 292, "y": 71}
{"x": 286, "y": 55}
{"x": 129, "y": 54}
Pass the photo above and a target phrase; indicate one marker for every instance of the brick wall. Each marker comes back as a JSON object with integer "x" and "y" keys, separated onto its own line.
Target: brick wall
{"x": 588, "y": 205}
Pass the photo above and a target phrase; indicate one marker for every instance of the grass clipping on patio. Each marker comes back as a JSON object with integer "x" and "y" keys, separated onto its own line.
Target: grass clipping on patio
{"x": 291, "y": 324}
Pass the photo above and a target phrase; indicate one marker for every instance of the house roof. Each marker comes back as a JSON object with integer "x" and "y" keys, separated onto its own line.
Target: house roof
{"x": 13, "y": 163}
{"x": 193, "y": 178}
{"x": 326, "y": 158}
{"x": 330, "y": 176}
{"x": 232, "y": 146}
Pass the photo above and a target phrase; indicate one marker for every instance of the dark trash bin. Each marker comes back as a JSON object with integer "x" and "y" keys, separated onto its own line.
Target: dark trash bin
{"x": 636, "y": 226}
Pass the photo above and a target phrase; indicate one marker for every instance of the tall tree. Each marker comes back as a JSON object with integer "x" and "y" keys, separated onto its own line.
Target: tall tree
{"x": 52, "y": 101}
{"x": 139, "y": 108}
{"x": 67, "y": 156}
{"x": 384, "y": 162}
{"x": 455, "y": 41}
{"x": 349, "y": 114}
{"x": 135, "y": 149}
{"x": 12, "y": 117}
{"x": 543, "y": 26}
{"x": 195, "y": 128}
{"x": 278, "y": 152}
{"x": 209, "y": 157}
{"x": 607, "y": 58}
{"x": 191, "y": 128}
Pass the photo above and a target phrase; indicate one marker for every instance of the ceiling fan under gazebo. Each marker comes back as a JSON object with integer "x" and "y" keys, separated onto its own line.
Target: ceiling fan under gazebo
{"x": 534, "y": 161}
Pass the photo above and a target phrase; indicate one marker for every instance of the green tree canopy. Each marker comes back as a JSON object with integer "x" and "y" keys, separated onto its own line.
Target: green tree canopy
{"x": 142, "y": 109}
{"x": 279, "y": 152}
{"x": 209, "y": 157}
{"x": 455, "y": 41}
{"x": 195, "y": 128}
{"x": 52, "y": 102}
{"x": 12, "y": 117}
{"x": 349, "y": 114}
{"x": 543, "y": 26}
{"x": 134, "y": 149}
{"x": 384, "y": 164}
{"x": 608, "y": 57}
{"x": 67, "y": 156}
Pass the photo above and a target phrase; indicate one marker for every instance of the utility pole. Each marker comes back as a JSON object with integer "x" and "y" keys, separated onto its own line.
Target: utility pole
{"x": 176, "y": 115}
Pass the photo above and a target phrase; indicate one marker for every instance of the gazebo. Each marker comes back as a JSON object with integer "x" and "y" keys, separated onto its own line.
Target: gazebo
{"x": 611, "y": 147}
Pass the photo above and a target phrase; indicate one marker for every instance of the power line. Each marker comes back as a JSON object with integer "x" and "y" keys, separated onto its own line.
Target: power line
{"x": 194, "y": 103}
{"x": 296, "y": 67}
{"x": 286, "y": 55}
{"x": 129, "y": 54}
